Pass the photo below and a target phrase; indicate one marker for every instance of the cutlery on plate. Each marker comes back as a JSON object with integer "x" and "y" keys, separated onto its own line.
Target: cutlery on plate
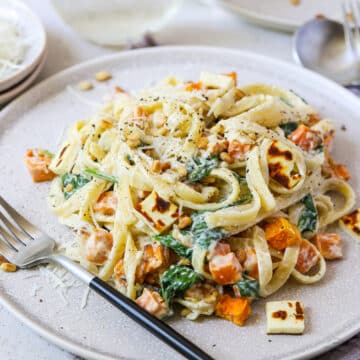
{"x": 26, "y": 246}
{"x": 332, "y": 48}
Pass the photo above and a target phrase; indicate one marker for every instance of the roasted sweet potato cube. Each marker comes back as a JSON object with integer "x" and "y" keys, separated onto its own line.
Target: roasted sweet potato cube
{"x": 152, "y": 302}
{"x": 106, "y": 203}
{"x": 305, "y": 138}
{"x": 307, "y": 258}
{"x": 38, "y": 165}
{"x": 280, "y": 233}
{"x": 98, "y": 246}
{"x": 155, "y": 257}
{"x": 225, "y": 269}
{"x": 329, "y": 245}
{"x": 236, "y": 310}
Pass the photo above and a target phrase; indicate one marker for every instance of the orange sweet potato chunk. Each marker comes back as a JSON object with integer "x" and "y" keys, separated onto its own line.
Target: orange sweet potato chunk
{"x": 38, "y": 165}
{"x": 329, "y": 245}
{"x": 225, "y": 269}
{"x": 236, "y": 310}
{"x": 280, "y": 234}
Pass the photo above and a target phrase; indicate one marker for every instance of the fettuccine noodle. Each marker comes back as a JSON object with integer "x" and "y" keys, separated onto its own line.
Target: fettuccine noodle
{"x": 230, "y": 185}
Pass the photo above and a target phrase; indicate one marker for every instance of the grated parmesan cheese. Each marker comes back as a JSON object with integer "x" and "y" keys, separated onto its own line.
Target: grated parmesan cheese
{"x": 85, "y": 298}
{"x": 59, "y": 279}
{"x": 13, "y": 48}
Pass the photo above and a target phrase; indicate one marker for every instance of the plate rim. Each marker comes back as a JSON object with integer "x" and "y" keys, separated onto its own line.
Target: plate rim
{"x": 350, "y": 329}
{"x": 17, "y": 89}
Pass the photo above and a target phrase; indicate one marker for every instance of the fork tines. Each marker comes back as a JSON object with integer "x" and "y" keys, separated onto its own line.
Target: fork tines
{"x": 15, "y": 231}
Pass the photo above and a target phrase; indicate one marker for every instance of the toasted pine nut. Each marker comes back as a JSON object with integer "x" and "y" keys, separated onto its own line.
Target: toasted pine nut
{"x": 156, "y": 166}
{"x": 7, "y": 267}
{"x": 85, "y": 85}
{"x": 224, "y": 156}
{"x": 103, "y": 76}
{"x": 184, "y": 222}
{"x": 133, "y": 140}
{"x": 203, "y": 143}
{"x": 181, "y": 170}
{"x": 119, "y": 89}
{"x": 165, "y": 166}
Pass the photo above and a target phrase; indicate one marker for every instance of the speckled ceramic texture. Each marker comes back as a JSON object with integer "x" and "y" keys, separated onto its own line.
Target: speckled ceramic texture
{"x": 99, "y": 331}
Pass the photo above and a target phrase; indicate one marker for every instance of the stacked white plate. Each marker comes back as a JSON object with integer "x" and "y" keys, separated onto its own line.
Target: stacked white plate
{"x": 30, "y": 31}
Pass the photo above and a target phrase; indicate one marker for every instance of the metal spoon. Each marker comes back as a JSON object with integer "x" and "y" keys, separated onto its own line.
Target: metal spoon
{"x": 320, "y": 46}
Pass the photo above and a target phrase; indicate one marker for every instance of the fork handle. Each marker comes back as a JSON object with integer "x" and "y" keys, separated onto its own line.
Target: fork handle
{"x": 156, "y": 326}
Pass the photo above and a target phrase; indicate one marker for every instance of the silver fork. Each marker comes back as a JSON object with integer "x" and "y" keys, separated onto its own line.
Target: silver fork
{"x": 26, "y": 246}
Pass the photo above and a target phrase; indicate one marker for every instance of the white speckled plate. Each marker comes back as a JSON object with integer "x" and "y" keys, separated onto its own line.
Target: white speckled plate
{"x": 282, "y": 14}
{"x": 101, "y": 332}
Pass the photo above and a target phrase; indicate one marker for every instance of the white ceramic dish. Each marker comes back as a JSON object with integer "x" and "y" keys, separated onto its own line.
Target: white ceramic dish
{"x": 11, "y": 93}
{"x": 32, "y": 29}
{"x": 281, "y": 14}
{"x": 101, "y": 332}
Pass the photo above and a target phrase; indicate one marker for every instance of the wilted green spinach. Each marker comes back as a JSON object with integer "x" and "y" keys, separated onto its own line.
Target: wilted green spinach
{"x": 75, "y": 181}
{"x": 175, "y": 281}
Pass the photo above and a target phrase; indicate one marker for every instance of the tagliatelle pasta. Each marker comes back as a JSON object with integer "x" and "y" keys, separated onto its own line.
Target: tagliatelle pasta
{"x": 190, "y": 191}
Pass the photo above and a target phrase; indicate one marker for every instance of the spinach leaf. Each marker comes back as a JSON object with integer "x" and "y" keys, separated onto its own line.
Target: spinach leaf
{"x": 245, "y": 194}
{"x": 201, "y": 233}
{"x": 199, "y": 168}
{"x": 170, "y": 242}
{"x": 289, "y": 127}
{"x": 248, "y": 287}
{"x": 175, "y": 281}
{"x": 71, "y": 183}
{"x": 244, "y": 199}
{"x": 320, "y": 149}
{"x": 308, "y": 217}
{"x": 101, "y": 175}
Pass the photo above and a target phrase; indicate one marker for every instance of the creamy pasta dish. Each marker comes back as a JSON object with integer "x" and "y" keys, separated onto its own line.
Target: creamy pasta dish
{"x": 200, "y": 197}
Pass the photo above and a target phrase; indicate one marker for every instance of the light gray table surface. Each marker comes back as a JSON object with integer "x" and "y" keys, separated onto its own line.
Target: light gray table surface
{"x": 190, "y": 27}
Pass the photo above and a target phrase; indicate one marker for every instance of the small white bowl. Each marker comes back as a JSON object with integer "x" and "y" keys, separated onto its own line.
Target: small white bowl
{"x": 32, "y": 28}
{"x": 9, "y": 94}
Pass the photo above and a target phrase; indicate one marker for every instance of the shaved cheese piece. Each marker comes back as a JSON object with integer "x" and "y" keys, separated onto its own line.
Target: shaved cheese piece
{"x": 223, "y": 103}
{"x": 157, "y": 212}
{"x": 12, "y": 48}
{"x": 217, "y": 81}
{"x": 281, "y": 165}
{"x": 285, "y": 317}
{"x": 351, "y": 224}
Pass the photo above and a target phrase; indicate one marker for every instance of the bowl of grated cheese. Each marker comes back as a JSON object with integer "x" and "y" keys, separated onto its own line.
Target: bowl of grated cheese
{"x": 22, "y": 43}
